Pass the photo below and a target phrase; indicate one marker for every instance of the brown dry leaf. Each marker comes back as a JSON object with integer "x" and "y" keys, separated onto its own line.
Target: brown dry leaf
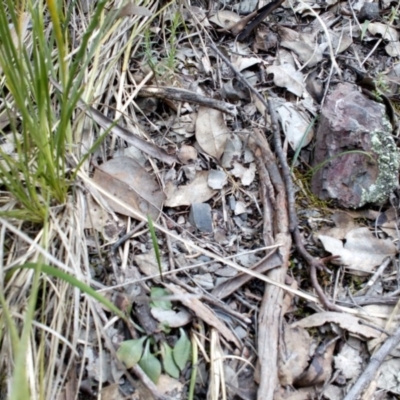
{"x": 311, "y": 55}
{"x": 294, "y": 353}
{"x": 225, "y": 19}
{"x": 294, "y": 124}
{"x": 286, "y": 76}
{"x": 174, "y": 319}
{"x": 393, "y": 49}
{"x": 344, "y": 223}
{"x": 387, "y": 33}
{"x": 187, "y": 154}
{"x": 320, "y": 368}
{"x": 211, "y": 131}
{"x": 147, "y": 263}
{"x": 203, "y": 312}
{"x": 111, "y": 392}
{"x": 196, "y": 191}
{"x": 346, "y": 321}
{"x": 98, "y": 218}
{"x": 132, "y": 9}
{"x": 361, "y": 252}
{"x": 170, "y": 387}
{"x": 128, "y": 181}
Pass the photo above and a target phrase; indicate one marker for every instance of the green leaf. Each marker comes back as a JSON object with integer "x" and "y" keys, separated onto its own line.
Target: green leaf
{"x": 182, "y": 350}
{"x": 158, "y": 292}
{"x": 130, "y": 351}
{"x": 155, "y": 244}
{"x": 168, "y": 361}
{"x": 150, "y": 365}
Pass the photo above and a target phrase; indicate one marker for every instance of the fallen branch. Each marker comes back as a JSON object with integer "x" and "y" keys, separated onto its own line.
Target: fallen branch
{"x": 183, "y": 95}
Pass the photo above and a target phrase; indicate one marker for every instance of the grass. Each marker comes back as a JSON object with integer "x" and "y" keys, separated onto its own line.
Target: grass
{"x": 45, "y": 311}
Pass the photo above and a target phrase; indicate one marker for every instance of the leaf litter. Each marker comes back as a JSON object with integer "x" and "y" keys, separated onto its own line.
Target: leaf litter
{"x": 199, "y": 154}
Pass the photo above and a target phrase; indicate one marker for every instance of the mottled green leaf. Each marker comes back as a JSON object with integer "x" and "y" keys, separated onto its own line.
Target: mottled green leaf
{"x": 130, "y": 351}
{"x": 150, "y": 365}
{"x": 168, "y": 361}
{"x": 182, "y": 350}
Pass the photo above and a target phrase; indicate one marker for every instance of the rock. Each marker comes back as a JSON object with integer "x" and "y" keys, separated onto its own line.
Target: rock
{"x": 200, "y": 217}
{"x": 355, "y": 158}
{"x": 369, "y": 11}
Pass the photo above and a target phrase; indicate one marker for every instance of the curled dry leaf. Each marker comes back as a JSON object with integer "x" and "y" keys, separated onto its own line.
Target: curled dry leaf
{"x": 174, "y": 319}
{"x": 387, "y": 33}
{"x": 295, "y": 123}
{"x": 393, "y": 49}
{"x": 129, "y": 182}
{"x": 225, "y": 19}
{"x": 361, "y": 252}
{"x": 211, "y": 131}
{"x": 286, "y": 76}
{"x": 347, "y": 322}
{"x": 196, "y": 191}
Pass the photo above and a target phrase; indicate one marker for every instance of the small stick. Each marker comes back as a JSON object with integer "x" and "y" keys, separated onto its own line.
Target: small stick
{"x": 184, "y": 95}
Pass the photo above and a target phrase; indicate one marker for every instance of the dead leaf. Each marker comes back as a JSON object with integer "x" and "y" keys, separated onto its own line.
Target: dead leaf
{"x": 225, "y": 19}
{"x": 232, "y": 151}
{"x": 174, "y": 319}
{"x": 246, "y": 175}
{"x": 393, "y": 49}
{"x": 287, "y": 77}
{"x": 203, "y": 312}
{"x": 98, "y": 218}
{"x": 170, "y": 387}
{"x": 147, "y": 263}
{"x": 294, "y": 353}
{"x": 361, "y": 252}
{"x": 320, "y": 368}
{"x": 349, "y": 360}
{"x": 387, "y": 33}
{"x": 187, "y": 154}
{"x": 211, "y": 131}
{"x": 311, "y": 55}
{"x": 388, "y": 376}
{"x": 295, "y": 123}
{"x": 347, "y": 322}
{"x": 131, "y": 9}
{"x": 128, "y": 181}
{"x": 197, "y": 191}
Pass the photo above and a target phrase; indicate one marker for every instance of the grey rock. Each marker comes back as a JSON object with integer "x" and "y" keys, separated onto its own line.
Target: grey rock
{"x": 369, "y": 11}
{"x": 200, "y": 217}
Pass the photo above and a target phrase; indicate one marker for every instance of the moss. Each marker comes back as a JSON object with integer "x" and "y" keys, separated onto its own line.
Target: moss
{"x": 388, "y": 158}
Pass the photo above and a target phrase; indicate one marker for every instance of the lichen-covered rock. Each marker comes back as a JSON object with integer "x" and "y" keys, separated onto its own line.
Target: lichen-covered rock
{"x": 355, "y": 156}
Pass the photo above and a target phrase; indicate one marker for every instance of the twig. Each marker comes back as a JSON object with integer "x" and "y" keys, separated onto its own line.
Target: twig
{"x": 376, "y": 360}
{"x": 177, "y": 94}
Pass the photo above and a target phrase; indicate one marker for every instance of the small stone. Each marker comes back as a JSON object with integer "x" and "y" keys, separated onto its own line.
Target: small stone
{"x": 240, "y": 332}
{"x": 232, "y": 202}
{"x": 369, "y": 11}
{"x": 240, "y": 208}
{"x": 200, "y": 217}
{"x": 217, "y": 179}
